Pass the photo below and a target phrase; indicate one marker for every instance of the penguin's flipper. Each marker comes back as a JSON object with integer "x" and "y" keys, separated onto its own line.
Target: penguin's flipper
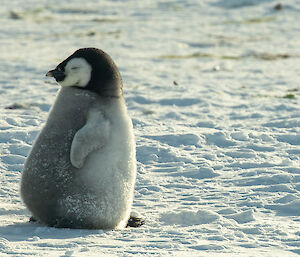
{"x": 135, "y": 222}
{"x": 92, "y": 136}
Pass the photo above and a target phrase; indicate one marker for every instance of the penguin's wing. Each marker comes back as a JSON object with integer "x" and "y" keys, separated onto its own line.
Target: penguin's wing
{"x": 92, "y": 136}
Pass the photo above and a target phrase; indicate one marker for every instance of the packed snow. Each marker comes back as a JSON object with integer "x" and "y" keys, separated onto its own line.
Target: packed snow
{"x": 213, "y": 90}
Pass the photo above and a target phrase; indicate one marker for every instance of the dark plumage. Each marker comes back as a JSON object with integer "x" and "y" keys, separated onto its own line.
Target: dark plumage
{"x": 105, "y": 78}
{"x": 81, "y": 170}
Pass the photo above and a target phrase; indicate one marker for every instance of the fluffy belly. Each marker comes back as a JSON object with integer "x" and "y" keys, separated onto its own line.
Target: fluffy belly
{"x": 99, "y": 195}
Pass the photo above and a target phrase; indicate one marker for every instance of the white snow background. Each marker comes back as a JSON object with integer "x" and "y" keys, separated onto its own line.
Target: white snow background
{"x": 213, "y": 90}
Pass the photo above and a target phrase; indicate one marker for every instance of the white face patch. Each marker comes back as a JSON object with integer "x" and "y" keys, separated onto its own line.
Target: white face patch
{"x": 78, "y": 73}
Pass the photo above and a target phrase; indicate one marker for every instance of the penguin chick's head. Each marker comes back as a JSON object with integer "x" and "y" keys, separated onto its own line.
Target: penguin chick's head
{"x": 91, "y": 69}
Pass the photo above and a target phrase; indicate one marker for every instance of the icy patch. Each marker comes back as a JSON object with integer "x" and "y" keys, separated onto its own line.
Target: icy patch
{"x": 288, "y": 209}
{"x": 239, "y": 3}
{"x": 286, "y": 199}
{"x": 205, "y": 124}
{"x": 189, "y": 218}
{"x": 149, "y": 154}
{"x": 219, "y": 139}
{"x": 264, "y": 180}
{"x": 227, "y": 211}
{"x": 290, "y": 139}
{"x": 261, "y": 148}
{"x": 286, "y": 123}
{"x": 242, "y": 217}
{"x": 180, "y": 102}
{"x": 177, "y": 140}
{"x": 241, "y": 154}
{"x": 202, "y": 173}
{"x": 240, "y": 136}
{"x": 207, "y": 247}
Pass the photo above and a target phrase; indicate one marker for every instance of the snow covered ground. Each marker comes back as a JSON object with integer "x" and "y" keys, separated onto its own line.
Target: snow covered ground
{"x": 213, "y": 90}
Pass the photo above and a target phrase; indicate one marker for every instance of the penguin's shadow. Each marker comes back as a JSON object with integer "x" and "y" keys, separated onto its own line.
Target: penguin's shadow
{"x": 25, "y": 231}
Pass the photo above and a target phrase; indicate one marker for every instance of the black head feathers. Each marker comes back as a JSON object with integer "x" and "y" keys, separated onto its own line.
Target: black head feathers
{"x": 105, "y": 77}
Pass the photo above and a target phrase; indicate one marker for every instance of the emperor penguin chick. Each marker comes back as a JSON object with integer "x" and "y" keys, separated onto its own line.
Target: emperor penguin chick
{"x": 81, "y": 170}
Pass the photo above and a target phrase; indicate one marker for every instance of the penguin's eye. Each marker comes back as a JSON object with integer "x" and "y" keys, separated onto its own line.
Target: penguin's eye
{"x": 74, "y": 68}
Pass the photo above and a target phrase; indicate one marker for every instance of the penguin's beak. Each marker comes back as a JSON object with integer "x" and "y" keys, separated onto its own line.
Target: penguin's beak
{"x": 49, "y": 73}
{"x": 57, "y": 74}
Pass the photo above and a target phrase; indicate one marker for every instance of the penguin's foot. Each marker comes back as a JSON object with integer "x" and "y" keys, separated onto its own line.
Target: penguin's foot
{"x": 33, "y": 219}
{"x": 135, "y": 222}
{"x": 132, "y": 222}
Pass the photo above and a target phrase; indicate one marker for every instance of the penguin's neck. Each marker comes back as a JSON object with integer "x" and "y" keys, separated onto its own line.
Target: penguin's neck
{"x": 71, "y": 102}
{"x": 113, "y": 89}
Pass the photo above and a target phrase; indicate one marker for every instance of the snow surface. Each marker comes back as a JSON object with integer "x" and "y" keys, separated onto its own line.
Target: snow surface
{"x": 213, "y": 89}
